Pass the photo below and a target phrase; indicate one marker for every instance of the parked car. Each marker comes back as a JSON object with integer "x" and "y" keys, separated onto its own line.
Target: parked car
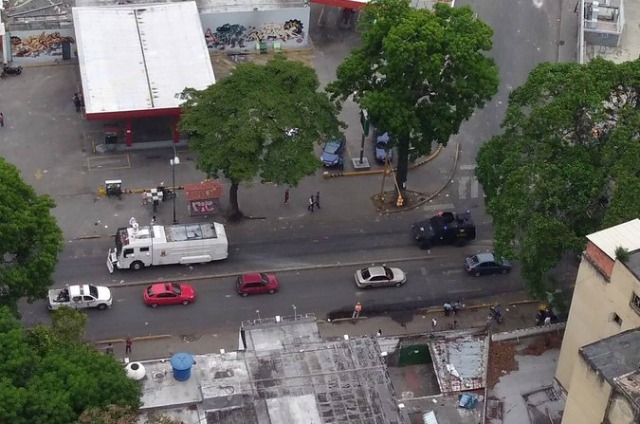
{"x": 380, "y": 276}
{"x": 169, "y": 294}
{"x": 256, "y": 283}
{"x": 383, "y": 149}
{"x": 333, "y": 153}
{"x": 486, "y": 263}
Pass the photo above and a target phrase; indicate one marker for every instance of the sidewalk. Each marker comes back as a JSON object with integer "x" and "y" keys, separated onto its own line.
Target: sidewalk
{"x": 518, "y": 313}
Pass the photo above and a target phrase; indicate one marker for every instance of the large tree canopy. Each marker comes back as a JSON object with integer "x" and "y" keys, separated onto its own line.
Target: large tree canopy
{"x": 30, "y": 239}
{"x": 45, "y": 379}
{"x": 567, "y": 164}
{"x": 419, "y": 73}
{"x": 260, "y": 122}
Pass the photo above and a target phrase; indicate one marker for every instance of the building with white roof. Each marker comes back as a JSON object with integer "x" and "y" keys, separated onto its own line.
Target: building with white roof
{"x": 135, "y": 60}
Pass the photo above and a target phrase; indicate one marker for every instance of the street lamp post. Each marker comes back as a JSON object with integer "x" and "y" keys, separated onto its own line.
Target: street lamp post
{"x": 175, "y": 161}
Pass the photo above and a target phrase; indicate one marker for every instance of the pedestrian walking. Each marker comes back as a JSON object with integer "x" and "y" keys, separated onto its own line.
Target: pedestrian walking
{"x": 145, "y": 198}
{"x": 456, "y": 307}
{"x": 434, "y": 323}
{"x": 489, "y": 320}
{"x": 76, "y": 101}
{"x": 379, "y": 333}
{"x": 286, "y": 197}
{"x": 127, "y": 345}
{"x": 356, "y": 310}
{"x": 1, "y": 120}
{"x": 318, "y": 200}
{"x": 109, "y": 349}
{"x": 311, "y": 203}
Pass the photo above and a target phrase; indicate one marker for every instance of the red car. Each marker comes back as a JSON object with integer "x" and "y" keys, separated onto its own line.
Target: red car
{"x": 256, "y": 283}
{"x": 169, "y": 294}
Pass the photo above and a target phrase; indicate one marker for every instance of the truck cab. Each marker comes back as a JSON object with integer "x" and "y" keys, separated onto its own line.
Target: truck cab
{"x": 445, "y": 228}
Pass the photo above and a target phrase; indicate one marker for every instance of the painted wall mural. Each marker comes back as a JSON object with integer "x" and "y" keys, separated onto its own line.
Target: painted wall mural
{"x": 41, "y": 45}
{"x": 240, "y": 31}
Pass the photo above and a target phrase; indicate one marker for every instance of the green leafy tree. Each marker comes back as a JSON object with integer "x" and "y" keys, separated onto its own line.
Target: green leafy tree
{"x": 45, "y": 379}
{"x": 260, "y": 122}
{"x": 69, "y": 324}
{"x": 419, "y": 73}
{"x": 566, "y": 164}
{"x": 29, "y": 239}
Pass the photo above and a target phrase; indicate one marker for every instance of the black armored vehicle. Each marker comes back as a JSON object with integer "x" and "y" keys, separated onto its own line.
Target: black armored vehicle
{"x": 445, "y": 228}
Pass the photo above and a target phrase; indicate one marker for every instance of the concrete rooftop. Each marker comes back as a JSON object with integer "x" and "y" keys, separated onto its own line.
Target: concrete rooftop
{"x": 286, "y": 375}
{"x": 614, "y": 356}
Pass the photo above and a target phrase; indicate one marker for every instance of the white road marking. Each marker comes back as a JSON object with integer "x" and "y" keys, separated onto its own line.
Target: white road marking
{"x": 462, "y": 187}
{"x": 440, "y": 207}
{"x": 467, "y": 167}
{"x": 475, "y": 187}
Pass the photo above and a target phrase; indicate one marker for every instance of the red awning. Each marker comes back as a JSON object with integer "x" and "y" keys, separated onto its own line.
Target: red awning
{"x": 347, "y": 4}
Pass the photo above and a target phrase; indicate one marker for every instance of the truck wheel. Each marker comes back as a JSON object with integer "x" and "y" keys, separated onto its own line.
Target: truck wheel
{"x": 424, "y": 245}
{"x": 102, "y": 307}
{"x": 137, "y": 265}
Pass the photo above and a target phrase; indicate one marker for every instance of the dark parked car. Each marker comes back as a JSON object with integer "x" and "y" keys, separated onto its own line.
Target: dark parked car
{"x": 485, "y": 264}
{"x": 256, "y": 283}
{"x": 333, "y": 153}
{"x": 383, "y": 149}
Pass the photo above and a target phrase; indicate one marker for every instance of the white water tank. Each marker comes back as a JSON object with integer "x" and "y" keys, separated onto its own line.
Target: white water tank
{"x": 135, "y": 371}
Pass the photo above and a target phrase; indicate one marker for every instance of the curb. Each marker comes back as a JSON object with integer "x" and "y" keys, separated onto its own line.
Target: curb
{"x": 139, "y": 339}
{"x": 292, "y": 269}
{"x": 479, "y": 306}
{"x": 432, "y": 156}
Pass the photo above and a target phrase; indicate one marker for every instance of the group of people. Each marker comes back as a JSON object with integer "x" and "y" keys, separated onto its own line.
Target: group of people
{"x": 313, "y": 203}
{"x": 451, "y": 308}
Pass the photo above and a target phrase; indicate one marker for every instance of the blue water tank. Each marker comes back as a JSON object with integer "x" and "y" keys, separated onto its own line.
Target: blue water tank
{"x": 182, "y": 364}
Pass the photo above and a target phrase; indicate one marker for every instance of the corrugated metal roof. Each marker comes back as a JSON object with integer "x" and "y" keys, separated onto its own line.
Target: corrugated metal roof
{"x": 139, "y": 57}
{"x": 625, "y": 235}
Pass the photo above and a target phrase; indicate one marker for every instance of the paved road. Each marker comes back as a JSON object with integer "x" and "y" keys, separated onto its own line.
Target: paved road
{"x": 330, "y": 290}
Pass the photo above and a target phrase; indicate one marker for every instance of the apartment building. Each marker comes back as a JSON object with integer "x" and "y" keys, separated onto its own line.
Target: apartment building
{"x": 599, "y": 364}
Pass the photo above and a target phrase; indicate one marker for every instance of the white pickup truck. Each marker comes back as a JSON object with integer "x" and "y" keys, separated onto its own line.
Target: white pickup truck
{"x": 80, "y": 297}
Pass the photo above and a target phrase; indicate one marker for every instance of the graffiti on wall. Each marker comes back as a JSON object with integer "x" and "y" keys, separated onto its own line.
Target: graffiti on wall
{"x": 237, "y": 36}
{"x": 43, "y": 44}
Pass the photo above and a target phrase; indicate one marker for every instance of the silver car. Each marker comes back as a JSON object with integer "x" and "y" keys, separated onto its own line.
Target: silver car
{"x": 380, "y": 276}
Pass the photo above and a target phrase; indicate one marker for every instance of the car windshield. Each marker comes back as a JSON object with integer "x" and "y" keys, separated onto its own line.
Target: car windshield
{"x": 388, "y": 273}
{"x": 474, "y": 260}
{"x": 332, "y": 147}
{"x": 93, "y": 291}
{"x": 381, "y": 145}
{"x": 264, "y": 278}
{"x": 175, "y": 288}
{"x": 150, "y": 290}
{"x": 366, "y": 274}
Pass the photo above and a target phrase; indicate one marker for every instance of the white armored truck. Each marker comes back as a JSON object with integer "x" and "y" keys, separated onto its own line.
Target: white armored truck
{"x": 138, "y": 247}
{"x": 80, "y": 296}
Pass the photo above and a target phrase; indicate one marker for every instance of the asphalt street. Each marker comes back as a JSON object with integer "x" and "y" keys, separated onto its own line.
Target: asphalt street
{"x": 51, "y": 145}
{"x": 325, "y": 291}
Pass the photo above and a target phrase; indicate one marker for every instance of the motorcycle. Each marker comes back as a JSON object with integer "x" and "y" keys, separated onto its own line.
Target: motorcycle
{"x": 10, "y": 70}
{"x": 496, "y": 313}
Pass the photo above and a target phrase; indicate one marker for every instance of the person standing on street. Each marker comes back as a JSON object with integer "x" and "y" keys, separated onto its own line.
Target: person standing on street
{"x": 356, "y": 310}
{"x": 1, "y": 120}
{"x": 311, "y": 204}
{"x": 127, "y": 345}
{"x": 286, "y": 197}
{"x": 144, "y": 198}
{"x": 77, "y": 102}
{"x": 318, "y": 200}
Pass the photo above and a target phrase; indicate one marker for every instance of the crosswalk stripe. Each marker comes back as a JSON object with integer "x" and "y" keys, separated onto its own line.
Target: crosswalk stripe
{"x": 440, "y": 207}
{"x": 462, "y": 187}
{"x": 467, "y": 167}
{"x": 475, "y": 187}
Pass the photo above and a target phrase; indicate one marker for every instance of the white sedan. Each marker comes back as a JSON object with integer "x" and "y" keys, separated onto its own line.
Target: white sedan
{"x": 380, "y": 276}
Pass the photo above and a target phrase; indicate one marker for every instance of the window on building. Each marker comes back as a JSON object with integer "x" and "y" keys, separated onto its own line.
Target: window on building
{"x": 616, "y": 318}
{"x": 635, "y": 303}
